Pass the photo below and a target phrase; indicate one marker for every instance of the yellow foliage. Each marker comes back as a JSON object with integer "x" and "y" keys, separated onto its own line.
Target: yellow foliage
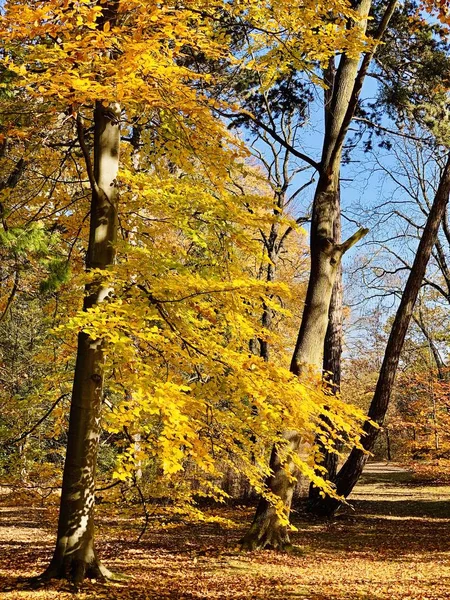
{"x": 176, "y": 330}
{"x": 183, "y": 304}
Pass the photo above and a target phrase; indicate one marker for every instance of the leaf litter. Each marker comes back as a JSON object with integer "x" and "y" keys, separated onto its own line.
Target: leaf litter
{"x": 394, "y": 545}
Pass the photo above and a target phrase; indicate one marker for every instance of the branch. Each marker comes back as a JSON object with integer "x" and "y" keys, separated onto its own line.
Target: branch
{"x": 36, "y": 425}
{"x": 352, "y": 240}
{"x": 440, "y": 364}
{"x": 11, "y": 295}
{"x": 274, "y": 134}
{"x": 157, "y": 301}
{"x": 387, "y": 130}
{"x": 290, "y": 229}
{"x": 300, "y": 190}
{"x": 283, "y": 142}
{"x": 86, "y": 155}
{"x": 108, "y": 487}
{"x": 11, "y": 182}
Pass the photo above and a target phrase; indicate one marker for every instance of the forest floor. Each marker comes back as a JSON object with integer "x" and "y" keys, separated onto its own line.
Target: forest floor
{"x": 393, "y": 544}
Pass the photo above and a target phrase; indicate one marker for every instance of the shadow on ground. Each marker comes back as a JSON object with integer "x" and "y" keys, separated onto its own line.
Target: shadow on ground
{"x": 394, "y": 545}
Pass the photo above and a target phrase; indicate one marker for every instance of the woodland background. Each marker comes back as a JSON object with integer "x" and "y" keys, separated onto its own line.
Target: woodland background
{"x": 225, "y": 247}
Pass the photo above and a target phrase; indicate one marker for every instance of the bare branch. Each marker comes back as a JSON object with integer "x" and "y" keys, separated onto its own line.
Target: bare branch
{"x": 352, "y": 240}
{"x": 36, "y": 425}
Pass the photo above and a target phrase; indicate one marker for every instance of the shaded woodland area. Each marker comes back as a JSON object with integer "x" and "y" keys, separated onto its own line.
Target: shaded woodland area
{"x": 224, "y": 333}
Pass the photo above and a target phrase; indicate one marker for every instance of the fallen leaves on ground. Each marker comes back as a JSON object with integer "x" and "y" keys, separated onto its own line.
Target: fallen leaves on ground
{"x": 394, "y": 545}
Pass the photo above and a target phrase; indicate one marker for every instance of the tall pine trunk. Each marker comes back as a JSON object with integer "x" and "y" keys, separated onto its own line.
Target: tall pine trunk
{"x": 75, "y": 556}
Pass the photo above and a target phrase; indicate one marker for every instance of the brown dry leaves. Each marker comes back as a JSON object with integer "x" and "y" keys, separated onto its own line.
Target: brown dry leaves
{"x": 395, "y": 546}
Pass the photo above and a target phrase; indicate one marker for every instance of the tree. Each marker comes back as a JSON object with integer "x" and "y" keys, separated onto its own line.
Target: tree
{"x": 52, "y": 61}
{"x": 408, "y": 101}
{"x": 75, "y": 550}
{"x": 352, "y": 469}
{"x": 114, "y": 64}
{"x": 268, "y": 530}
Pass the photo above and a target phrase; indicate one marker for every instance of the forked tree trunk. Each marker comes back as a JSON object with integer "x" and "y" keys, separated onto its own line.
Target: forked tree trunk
{"x": 268, "y": 528}
{"x": 75, "y": 556}
{"x": 353, "y": 467}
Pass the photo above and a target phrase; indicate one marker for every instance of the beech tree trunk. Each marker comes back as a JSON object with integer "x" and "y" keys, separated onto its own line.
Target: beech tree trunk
{"x": 75, "y": 556}
{"x": 269, "y": 530}
{"x": 331, "y": 364}
{"x": 352, "y": 469}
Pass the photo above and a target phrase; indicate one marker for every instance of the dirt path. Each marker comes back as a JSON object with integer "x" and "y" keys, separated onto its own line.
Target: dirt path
{"x": 393, "y": 544}
{"x": 390, "y": 490}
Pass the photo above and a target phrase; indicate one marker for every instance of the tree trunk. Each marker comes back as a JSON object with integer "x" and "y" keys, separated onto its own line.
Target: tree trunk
{"x": 440, "y": 365}
{"x": 266, "y": 319}
{"x": 333, "y": 339}
{"x": 75, "y": 556}
{"x": 353, "y": 467}
{"x": 388, "y": 446}
{"x": 331, "y": 365}
{"x": 269, "y": 529}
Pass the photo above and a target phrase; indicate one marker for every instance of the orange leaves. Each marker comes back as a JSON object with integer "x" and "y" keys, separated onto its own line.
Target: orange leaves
{"x": 438, "y": 8}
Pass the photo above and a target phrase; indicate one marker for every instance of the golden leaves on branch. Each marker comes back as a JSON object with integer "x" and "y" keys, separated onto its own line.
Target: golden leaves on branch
{"x": 183, "y": 305}
{"x": 176, "y": 331}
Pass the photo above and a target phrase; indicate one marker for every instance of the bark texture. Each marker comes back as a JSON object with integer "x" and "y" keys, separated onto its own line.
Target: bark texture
{"x": 352, "y": 469}
{"x": 268, "y": 530}
{"x": 75, "y": 556}
{"x": 331, "y": 364}
{"x": 333, "y": 338}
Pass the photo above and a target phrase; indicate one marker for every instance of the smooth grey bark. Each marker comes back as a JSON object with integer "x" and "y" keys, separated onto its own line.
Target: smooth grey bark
{"x": 352, "y": 469}
{"x": 75, "y": 556}
{"x": 268, "y": 529}
{"x": 331, "y": 365}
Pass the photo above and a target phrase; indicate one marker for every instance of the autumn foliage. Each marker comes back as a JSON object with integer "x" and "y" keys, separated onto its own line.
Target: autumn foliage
{"x": 156, "y": 98}
{"x": 183, "y": 301}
